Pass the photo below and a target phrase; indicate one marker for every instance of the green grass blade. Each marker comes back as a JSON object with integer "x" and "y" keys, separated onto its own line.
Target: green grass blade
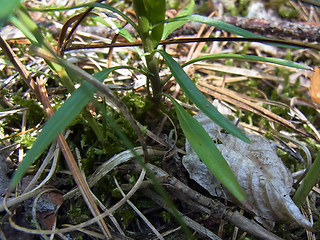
{"x": 29, "y": 27}
{"x": 279, "y": 61}
{"x": 93, "y": 4}
{"x": 170, "y": 27}
{"x": 106, "y": 6}
{"x": 228, "y": 27}
{"x": 156, "y": 14}
{"x": 22, "y": 20}
{"x": 216, "y": 23}
{"x": 207, "y": 151}
{"x": 19, "y": 24}
{"x": 308, "y": 182}
{"x": 198, "y": 99}
{"x": 59, "y": 121}
{"x": 122, "y": 31}
{"x": 7, "y": 7}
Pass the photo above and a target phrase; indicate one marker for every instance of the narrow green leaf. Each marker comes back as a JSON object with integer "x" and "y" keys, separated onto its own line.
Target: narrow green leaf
{"x": 59, "y": 121}
{"x": 227, "y": 27}
{"x": 19, "y": 24}
{"x": 207, "y": 151}
{"x": 308, "y": 182}
{"x": 122, "y": 31}
{"x": 198, "y": 99}
{"x": 29, "y": 28}
{"x": 22, "y": 20}
{"x": 92, "y": 4}
{"x": 23, "y": 15}
{"x": 170, "y": 27}
{"x": 279, "y": 61}
{"x": 144, "y": 25}
{"x": 112, "y": 9}
{"x": 216, "y": 23}
{"x": 150, "y": 15}
{"x": 156, "y": 13}
{"x": 7, "y": 7}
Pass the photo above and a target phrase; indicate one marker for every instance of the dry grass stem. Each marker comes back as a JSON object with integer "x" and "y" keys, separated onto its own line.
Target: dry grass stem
{"x": 240, "y": 101}
{"x": 140, "y": 214}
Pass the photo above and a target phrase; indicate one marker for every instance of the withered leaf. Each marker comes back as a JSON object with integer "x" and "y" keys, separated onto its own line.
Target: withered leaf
{"x": 265, "y": 179}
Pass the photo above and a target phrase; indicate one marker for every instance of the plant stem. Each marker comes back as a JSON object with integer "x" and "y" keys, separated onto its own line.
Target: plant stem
{"x": 152, "y": 64}
{"x": 149, "y": 45}
{"x": 153, "y": 67}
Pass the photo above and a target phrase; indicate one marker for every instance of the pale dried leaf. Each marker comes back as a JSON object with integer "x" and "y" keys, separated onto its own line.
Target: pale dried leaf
{"x": 265, "y": 179}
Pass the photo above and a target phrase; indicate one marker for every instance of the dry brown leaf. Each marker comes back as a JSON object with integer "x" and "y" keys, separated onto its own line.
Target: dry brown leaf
{"x": 315, "y": 85}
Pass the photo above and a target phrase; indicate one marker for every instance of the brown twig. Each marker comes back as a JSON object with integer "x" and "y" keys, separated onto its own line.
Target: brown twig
{"x": 19, "y": 66}
{"x": 280, "y": 29}
{"x": 207, "y": 205}
{"x": 195, "y": 39}
{"x": 302, "y": 31}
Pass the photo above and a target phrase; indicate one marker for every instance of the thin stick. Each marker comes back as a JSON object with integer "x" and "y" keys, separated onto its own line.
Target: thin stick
{"x": 191, "y": 39}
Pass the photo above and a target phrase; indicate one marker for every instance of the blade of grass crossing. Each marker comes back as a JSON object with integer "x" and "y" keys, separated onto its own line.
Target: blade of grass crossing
{"x": 216, "y": 23}
{"x": 29, "y": 28}
{"x": 15, "y": 21}
{"x": 203, "y": 145}
{"x": 7, "y": 8}
{"x": 225, "y": 26}
{"x": 308, "y": 182}
{"x": 59, "y": 121}
{"x": 122, "y": 31}
{"x": 170, "y": 27}
{"x": 198, "y": 99}
{"x": 279, "y": 61}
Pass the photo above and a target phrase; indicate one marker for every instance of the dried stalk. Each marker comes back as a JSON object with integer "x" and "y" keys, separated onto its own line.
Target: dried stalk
{"x": 241, "y": 101}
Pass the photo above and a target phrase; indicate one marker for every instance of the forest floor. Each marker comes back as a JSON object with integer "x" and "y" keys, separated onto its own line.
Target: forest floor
{"x": 281, "y": 103}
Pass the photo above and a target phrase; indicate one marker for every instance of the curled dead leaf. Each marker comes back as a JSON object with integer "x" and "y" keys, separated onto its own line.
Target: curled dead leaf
{"x": 266, "y": 181}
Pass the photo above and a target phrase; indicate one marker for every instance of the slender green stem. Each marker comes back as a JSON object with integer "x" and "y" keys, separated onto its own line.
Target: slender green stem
{"x": 153, "y": 67}
{"x": 309, "y": 181}
{"x": 149, "y": 44}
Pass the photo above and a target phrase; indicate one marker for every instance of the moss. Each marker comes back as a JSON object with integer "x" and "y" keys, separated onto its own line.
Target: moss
{"x": 35, "y": 113}
{"x": 26, "y": 140}
{"x": 166, "y": 217}
{"x": 78, "y": 215}
{"x": 287, "y": 11}
{"x": 239, "y": 8}
{"x": 126, "y": 214}
{"x": 137, "y": 104}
